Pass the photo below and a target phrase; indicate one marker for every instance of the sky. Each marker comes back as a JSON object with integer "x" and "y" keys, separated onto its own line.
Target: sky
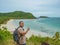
{"x": 50, "y": 8}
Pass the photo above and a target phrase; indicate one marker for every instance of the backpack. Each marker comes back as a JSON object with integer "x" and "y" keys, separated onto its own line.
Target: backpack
{"x": 15, "y": 35}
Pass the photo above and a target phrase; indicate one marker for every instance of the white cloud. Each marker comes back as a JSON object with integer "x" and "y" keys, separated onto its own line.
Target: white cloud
{"x": 33, "y": 3}
{"x": 44, "y": 12}
{"x": 36, "y": 7}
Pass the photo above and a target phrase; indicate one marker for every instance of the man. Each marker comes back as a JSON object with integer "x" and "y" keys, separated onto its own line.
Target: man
{"x": 22, "y": 33}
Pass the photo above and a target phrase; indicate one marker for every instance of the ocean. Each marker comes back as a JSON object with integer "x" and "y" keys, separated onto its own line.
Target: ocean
{"x": 46, "y": 25}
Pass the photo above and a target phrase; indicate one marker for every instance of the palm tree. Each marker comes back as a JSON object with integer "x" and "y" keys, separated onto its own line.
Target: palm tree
{"x": 57, "y": 36}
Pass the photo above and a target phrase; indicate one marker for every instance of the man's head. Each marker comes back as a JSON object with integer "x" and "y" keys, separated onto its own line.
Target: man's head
{"x": 21, "y": 23}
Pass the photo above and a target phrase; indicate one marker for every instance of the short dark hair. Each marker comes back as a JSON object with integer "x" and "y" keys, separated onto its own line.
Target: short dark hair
{"x": 20, "y": 22}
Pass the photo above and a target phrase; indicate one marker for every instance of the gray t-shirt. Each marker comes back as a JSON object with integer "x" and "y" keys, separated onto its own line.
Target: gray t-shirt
{"x": 22, "y": 39}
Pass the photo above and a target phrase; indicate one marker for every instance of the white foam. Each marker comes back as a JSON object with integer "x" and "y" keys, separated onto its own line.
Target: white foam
{"x": 10, "y": 25}
{"x": 11, "y": 28}
{"x": 37, "y": 33}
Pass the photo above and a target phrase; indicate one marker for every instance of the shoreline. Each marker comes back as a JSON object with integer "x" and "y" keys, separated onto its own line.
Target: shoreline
{"x": 10, "y": 27}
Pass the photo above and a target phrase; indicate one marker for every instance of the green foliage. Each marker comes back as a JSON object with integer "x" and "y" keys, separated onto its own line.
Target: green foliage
{"x": 43, "y": 17}
{"x": 37, "y": 40}
{"x": 57, "y": 36}
{"x": 6, "y": 39}
{"x": 5, "y": 35}
{"x": 15, "y": 15}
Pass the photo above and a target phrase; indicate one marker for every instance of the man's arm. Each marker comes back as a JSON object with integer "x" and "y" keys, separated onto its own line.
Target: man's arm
{"x": 24, "y": 32}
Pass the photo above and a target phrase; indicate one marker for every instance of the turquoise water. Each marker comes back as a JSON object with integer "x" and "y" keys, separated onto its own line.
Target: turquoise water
{"x": 46, "y": 25}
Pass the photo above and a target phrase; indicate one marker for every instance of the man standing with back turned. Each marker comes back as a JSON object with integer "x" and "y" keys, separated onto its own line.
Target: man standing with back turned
{"x": 22, "y": 33}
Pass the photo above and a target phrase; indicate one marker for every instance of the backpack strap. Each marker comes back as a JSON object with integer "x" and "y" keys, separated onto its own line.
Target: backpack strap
{"x": 17, "y": 28}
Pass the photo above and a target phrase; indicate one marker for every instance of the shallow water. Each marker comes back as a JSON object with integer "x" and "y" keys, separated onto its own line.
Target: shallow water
{"x": 46, "y": 25}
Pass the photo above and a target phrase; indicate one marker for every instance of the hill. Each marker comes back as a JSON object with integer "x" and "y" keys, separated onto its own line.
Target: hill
{"x": 15, "y": 15}
{"x": 43, "y": 17}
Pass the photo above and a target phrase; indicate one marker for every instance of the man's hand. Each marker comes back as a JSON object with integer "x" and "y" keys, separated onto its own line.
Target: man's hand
{"x": 23, "y": 33}
{"x": 28, "y": 29}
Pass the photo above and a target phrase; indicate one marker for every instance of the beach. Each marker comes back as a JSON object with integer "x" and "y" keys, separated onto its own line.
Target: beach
{"x": 11, "y": 27}
{"x": 8, "y": 25}
{"x": 37, "y": 27}
{"x": 38, "y": 32}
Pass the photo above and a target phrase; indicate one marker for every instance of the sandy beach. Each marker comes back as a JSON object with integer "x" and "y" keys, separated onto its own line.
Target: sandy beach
{"x": 11, "y": 28}
{"x": 9, "y": 25}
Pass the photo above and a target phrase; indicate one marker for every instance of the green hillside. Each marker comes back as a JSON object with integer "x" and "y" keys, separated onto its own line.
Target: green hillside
{"x": 43, "y": 17}
{"x": 15, "y": 15}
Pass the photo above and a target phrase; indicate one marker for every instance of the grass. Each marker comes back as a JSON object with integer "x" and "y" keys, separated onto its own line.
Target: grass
{"x": 6, "y": 38}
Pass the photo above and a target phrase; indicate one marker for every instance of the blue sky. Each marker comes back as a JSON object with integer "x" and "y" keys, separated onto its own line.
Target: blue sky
{"x": 38, "y": 8}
